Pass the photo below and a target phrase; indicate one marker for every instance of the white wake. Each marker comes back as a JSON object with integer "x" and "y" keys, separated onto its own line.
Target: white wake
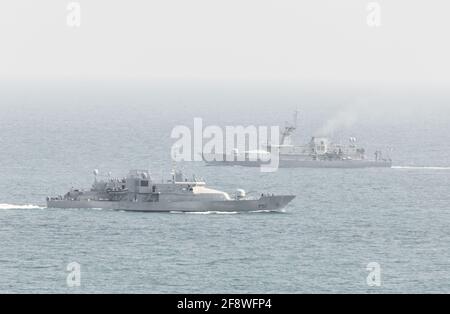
{"x": 13, "y": 206}
{"x": 211, "y": 213}
{"x": 227, "y": 213}
{"x": 421, "y": 168}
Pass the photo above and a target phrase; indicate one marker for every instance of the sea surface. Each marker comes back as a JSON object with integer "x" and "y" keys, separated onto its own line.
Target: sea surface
{"x": 53, "y": 135}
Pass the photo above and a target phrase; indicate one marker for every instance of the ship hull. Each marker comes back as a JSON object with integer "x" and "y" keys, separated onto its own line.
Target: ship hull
{"x": 292, "y": 162}
{"x": 334, "y": 164}
{"x": 264, "y": 203}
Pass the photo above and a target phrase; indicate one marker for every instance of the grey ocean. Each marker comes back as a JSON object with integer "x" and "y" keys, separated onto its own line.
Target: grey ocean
{"x": 53, "y": 136}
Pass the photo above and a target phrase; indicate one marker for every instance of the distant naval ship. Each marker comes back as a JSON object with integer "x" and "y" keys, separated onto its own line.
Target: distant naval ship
{"x": 320, "y": 152}
{"x": 139, "y": 192}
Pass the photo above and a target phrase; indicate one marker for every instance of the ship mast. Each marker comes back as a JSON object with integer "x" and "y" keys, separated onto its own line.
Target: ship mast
{"x": 289, "y": 130}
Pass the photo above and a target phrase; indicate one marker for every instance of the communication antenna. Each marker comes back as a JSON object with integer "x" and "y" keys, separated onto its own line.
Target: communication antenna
{"x": 296, "y": 112}
{"x": 95, "y": 172}
{"x": 174, "y": 169}
{"x": 174, "y": 160}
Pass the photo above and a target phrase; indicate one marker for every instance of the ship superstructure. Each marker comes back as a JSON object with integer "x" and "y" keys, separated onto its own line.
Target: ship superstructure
{"x": 139, "y": 192}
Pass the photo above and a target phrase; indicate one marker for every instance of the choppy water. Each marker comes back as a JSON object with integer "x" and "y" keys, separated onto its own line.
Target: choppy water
{"x": 341, "y": 220}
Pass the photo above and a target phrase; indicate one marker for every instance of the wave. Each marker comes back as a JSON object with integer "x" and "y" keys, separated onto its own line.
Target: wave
{"x": 227, "y": 213}
{"x": 212, "y": 212}
{"x": 13, "y": 206}
{"x": 269, "y": 211}
{"x": 203, "y": 212}
{"x": 421, "y": 168}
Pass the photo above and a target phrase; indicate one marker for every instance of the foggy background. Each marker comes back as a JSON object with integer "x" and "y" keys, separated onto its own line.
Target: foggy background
{"x": 231, "y": 62}
{"x": 315, "y": 42}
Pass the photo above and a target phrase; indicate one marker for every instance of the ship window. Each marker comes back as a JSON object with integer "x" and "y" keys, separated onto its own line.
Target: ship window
{"x": 144, "y": 182}
{"x": 153, "y": 189}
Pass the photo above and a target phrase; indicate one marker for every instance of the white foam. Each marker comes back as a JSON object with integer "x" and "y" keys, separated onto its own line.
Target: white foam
{"x": 421, "y": 168}
{"x": 212, "y": 212}
{"x": 27, "y": 206}
{"x": 269, "y": 211}
{"x": 227, "y": 213}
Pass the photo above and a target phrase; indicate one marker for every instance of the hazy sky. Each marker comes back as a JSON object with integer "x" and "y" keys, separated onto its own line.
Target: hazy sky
{"x": 321, "y": 40}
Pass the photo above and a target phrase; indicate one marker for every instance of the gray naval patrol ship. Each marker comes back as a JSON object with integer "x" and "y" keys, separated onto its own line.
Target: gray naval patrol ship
{"x": 320, "y": 152}
{"x": 138, "y": 192}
